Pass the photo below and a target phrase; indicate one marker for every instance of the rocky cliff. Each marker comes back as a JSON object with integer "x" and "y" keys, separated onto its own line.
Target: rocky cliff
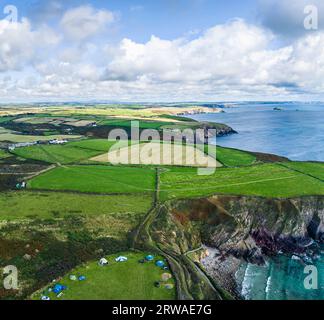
{"x": 241, "y": 228}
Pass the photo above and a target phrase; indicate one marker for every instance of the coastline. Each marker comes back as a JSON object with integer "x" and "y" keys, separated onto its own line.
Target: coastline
{"x": 291, "y": 134}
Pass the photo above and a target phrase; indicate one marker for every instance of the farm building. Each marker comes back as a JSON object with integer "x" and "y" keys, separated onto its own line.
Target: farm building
{"x": 21, "y": 145}
{"x": 57, "y": 141}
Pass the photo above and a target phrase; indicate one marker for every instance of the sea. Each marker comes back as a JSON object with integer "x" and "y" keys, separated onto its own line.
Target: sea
{"x": 294, "y": 130}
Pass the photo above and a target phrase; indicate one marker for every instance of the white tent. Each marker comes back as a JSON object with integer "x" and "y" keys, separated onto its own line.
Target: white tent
{"x": 121, "y": 259}
{"x": 103, "y": 262}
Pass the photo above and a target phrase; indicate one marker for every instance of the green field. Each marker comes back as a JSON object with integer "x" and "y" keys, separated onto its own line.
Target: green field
{"x": 102, "y": 145}
{"x": 127, "y": 123}
{"x": 96, "y": 179}
{"x": 3, "y": 154}
{"x": 71, "y": 152}
{"x": 8, "y": 135}
{"x": 268, "y": 180}
{"x": 128, "y": 280}
{"x": 45, "y": 205}
{"x": 5, "y": 119}
{"x": 55, "y": 154}
{"x": 315, "y": 169}
{"x": 234, "y": 158}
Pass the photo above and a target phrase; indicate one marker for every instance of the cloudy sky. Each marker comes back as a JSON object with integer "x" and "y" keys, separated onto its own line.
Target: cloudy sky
{"x": 161, "y": 50}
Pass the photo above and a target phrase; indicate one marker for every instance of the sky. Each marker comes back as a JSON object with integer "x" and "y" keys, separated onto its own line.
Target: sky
{"x": 161, "y": 50}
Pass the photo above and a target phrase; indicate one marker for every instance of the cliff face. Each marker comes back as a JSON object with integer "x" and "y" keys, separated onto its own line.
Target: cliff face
{"x": 247, "y": 227}
{"x": 237, "y": 229}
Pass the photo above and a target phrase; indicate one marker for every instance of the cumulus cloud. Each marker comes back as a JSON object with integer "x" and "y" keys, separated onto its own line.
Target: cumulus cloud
{"x": 19, "y": 43}
{"x": 230, "y": 61}
{"x": 83, "y": 22}
{"x": 219, "y": 53}
{"x": 236, "y": 58}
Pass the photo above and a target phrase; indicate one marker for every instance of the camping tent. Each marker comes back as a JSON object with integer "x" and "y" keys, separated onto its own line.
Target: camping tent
{"x": 149, "y": 258}
{"x": 169, "y": 286}
{"x": 103, "y": 262}
{"x": 159, "y": 263}
{"x": 121, "y": 259}
{"x": 58, "y": 288}
{"x": 166, "y": 276}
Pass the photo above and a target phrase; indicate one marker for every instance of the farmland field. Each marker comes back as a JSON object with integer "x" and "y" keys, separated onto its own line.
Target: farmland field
{"x": 315, "y": 169}
{"x": 45, "y": 205}
{"x": 268, "y": 180}
{"x": 7, "y": 135}
{"x": 93, "y": 144}
{"x": 3, "y": 154}
{"x": 234, "y": 158}
{"x": 128, "y": 280}
{"x": 96, "y": 179}
{"x": 71, "y": 152}
{"x": 127, "y": 123}
{"x": 159, "y": 154}
{"x": 55, "y": 154}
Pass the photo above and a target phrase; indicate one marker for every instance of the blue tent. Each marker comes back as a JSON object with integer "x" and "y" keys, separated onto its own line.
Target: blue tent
{"x": 149, "y": 258}
{"x": 82, "y": 278}
{"x": 58, "y": 288}
{"x": 159, "y": 264}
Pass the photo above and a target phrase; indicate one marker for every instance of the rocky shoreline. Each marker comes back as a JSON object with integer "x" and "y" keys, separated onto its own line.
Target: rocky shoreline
{"x": 200, "y": 110}
{"x": 234, "y": 230}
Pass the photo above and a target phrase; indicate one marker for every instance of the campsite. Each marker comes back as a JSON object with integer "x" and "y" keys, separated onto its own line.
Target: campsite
{"x": 124, "y": 280}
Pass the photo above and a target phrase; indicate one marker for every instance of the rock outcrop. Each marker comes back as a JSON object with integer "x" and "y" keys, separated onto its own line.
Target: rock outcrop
{"x": 252, "y": 226}
{"x": 241, "y": 229}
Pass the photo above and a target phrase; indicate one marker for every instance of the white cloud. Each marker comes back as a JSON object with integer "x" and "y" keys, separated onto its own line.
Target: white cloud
{"x": 219, "y": 53}
{"x": 231, "y": 61}
{"x": 19, "y": 44}
{"x": 83, "y": 22}
{"x": 236, "y": 58}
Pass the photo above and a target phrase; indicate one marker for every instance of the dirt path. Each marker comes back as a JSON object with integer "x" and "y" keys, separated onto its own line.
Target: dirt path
{"x": 33, "y": 175}
{"x": 183, "y": 268}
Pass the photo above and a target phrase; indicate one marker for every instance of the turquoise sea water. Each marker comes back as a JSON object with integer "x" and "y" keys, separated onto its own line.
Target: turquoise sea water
{"x": 282, "y": 278}
{"x": 297, "y": 132}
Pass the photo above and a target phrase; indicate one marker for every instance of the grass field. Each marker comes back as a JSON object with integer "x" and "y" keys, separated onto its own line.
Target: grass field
{"x": 128, "y": 280}
{"x": 93, "y": 144}
{"x": 3, "y": 154}
{"x": 45, "y": 205}
{"x": 315, "y": 169}
{"x": 234, "y": 158}
{"x": 268, "y": 180}
{"x": 96, "y": 179}
{"x": 7, "y": 135}
{"x": 54, "y": 154}
{"x": 5, "y": 119}
{"x": 127, "y": 123}
{"x": 155, "y": 153}
{"x": 146, "y": 113}
{"x": 72, "y": 152}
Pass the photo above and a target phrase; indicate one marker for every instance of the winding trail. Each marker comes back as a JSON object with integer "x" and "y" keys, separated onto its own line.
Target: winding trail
{"x": 181, "y": 265}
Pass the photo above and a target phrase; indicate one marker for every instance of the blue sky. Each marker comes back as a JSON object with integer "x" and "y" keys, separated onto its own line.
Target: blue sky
{"x": 164, "y": 18}
{"x": 170, "y": 50}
